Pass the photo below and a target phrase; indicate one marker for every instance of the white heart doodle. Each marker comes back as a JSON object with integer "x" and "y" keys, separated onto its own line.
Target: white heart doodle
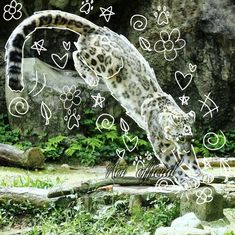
{"x": 59, "y": 59}
{"x": 130, "y": 143}
{"x": 120, "y": 153}
{"x": 66, "y": 45}
{"x": 181, "y": 78}
{"x": 192, "y": 68}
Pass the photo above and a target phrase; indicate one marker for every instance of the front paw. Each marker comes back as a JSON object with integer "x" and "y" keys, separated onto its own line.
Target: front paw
{"x": 206, "y": 178}
{"x": 189, "y": 183}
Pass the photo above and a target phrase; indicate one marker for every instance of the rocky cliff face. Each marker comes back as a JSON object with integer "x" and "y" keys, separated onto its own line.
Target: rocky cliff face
{"x": 194, "y": 62}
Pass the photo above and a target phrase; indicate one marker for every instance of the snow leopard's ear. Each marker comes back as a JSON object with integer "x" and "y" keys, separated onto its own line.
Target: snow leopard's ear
{"x": 191, "y": 116}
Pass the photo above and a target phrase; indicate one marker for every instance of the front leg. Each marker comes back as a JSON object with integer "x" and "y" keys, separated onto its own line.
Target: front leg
{"x": 190, "y": 160}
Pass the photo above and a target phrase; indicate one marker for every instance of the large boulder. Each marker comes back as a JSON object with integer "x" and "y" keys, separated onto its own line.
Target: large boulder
{"x": 189, "y": 220}
{"x": 205, "y": 202}
{"x": 181, "y": 231}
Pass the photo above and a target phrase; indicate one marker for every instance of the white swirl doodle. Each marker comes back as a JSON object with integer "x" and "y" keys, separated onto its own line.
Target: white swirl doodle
{"x": 105, "y": 122}
{"x": 21, "y": 107}
{"x": 138, "y": 24}
{"x": 211, "y": 140}
{"x": 164, "y": 185}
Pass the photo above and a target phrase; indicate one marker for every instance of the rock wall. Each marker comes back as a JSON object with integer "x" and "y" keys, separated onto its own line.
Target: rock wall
{"x": 208, "y": 28}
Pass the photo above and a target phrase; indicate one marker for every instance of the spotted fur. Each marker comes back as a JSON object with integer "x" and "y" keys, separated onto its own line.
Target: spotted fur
{"x": 103, "y": 54}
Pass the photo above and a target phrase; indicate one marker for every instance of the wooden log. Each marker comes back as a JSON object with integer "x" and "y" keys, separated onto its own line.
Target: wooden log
{"x": 32, "y": 158}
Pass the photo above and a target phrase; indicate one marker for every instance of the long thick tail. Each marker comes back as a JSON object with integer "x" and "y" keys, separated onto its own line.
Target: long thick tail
{"x": 15, "y": 43}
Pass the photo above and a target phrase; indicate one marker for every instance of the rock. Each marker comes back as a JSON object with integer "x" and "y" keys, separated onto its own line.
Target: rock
{"x": 48, "y": 108}
{"x": 189, "y": 220}
{"x": 61, "y": 4}
{"x": 181, "y": 231}
{"x": 135, "y": 205}
{"x": 65, "y": 166}
{"x": 205, "y": 202}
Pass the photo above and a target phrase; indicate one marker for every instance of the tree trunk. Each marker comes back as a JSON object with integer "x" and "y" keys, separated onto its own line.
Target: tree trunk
{"x": 32, "y": 158}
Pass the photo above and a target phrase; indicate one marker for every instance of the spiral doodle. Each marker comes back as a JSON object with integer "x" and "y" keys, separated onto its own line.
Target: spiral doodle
{"x": 163, "y": 184}
{"x": 20, "y": 107}
{"x": 105, "y": 122}
{"x": 140, "y": 24}
{"x": 211, "y": 141}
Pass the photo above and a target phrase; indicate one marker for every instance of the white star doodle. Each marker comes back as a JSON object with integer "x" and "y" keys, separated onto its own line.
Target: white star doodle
{"x": 184, "y": 99}
{"x": 98, "y": 100}
{"x": 107, "y": 13}
{"x": 39, "y": 46}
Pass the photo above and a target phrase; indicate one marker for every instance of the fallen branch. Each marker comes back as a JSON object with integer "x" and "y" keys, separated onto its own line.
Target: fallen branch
{"x": 32, "y": 158}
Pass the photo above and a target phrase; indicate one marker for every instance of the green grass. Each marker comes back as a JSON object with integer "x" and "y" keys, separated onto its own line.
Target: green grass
{"x": 103, "y": 220}
{"x": 27, "y": 181}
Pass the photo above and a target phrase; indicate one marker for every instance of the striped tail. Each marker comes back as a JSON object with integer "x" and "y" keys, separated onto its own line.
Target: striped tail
{"x": 15, "y": 43}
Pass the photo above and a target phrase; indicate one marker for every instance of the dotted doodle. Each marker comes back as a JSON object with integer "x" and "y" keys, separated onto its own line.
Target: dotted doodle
{"x": 162, "y": 16}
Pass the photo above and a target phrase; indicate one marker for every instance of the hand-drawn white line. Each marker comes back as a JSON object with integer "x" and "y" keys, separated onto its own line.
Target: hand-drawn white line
{"x": 148, "y": 156}
{"x": 121, "y": 153}
{"x": 124, "y": 125}
{"x": 192, "y": 68}
{"x": 210, "y": 101}
{"x": 225, "y": 168}
{"x": 98, "y": 100}
{"x": 163, "y": 185}
{"x": 21, "y": 107}
{"x": 106, "y": 13}
{"x": 187, "y": 130}
{"x": 70, "y": 96}
{"x": 145, "y": 44}
{"x": 39, "y": 46}
{"x": 184, "y": 99}
{"x": 140, "y": 24}
{"x": 206, "y": 163}
{"x": 59, "y": 59}
{"x": 45, "y": 112}
{"x": 163, "y": 17}
{"x": 204, "y": 196}
{"x": 36, "y": 83}
{"x": 29, "y": 35}
{"x": 182, "y": 80}
{"x": 138, "y": 162}
{"x": 105, "y": 122}
{"x": 12, "y": 10}
{"x": 66, "y": 45}
{"x": 130, "y": 143}
{"x": 86, "y": 6}
{"x": 169, "y": 44}
{"x": 211, "y": 141}
{"x": 73, "y": 119}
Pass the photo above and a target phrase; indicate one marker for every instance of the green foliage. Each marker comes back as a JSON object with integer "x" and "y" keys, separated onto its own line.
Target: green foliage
{"x": 27, "y": 181}
{"x": 227, "y": 150}
{"x": 105, "y": 220}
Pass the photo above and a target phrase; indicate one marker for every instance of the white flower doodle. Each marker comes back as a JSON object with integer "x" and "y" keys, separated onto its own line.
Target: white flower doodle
{"x": 169, "y": 44}
{"x": 12, "y": 11}
{"x": 70, "y": 97}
